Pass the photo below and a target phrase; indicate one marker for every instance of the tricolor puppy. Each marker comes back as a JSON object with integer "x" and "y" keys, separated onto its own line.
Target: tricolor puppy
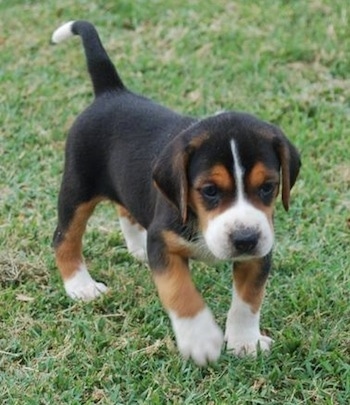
{"x": 186, "y": 188}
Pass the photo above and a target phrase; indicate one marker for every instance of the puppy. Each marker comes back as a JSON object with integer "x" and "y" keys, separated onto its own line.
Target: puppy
{"x": 186, "y": 188}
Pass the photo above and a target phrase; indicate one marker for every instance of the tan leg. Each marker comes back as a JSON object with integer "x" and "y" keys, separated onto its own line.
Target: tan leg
{"x": 243, "y": 319}
{"x": 69, "y": 258}
{"x": 197, "y": 334}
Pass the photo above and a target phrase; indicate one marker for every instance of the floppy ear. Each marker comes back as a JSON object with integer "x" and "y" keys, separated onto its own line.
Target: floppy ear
{"x": 170, "y": 173}
{"x": 290, "y": 165}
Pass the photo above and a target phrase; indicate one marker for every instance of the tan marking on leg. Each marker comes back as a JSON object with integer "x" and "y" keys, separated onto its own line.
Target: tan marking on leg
{"x": 250, "y": 283}
{"x": 176, "y": 289}
{"x": 123, "y": 212}
{"x": 69, "y": 252}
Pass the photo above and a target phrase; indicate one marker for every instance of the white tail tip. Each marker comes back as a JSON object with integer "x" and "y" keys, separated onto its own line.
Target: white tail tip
{"x": 62, "y": 33}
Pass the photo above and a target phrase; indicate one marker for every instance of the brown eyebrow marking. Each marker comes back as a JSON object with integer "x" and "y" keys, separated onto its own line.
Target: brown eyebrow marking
{"x": 219, "y": 175}
{"x": 260, "y": 173}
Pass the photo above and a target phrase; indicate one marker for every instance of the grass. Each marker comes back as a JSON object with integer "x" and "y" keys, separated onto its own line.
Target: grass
{"x": 287, "y": 62}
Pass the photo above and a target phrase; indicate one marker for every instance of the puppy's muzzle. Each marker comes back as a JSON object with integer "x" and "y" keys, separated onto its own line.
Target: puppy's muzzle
{"x": 245, "y": 240}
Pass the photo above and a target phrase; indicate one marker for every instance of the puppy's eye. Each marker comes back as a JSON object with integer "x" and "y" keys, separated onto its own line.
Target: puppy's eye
{"x": 210, "y": 191}
{"x": 266, "y": 190}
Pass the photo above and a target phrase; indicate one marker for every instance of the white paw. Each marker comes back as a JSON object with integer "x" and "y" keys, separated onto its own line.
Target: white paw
{"x": 249, "y": 345}
{"x": 199, "y": 337}
{"x": 139, "y": 254}
{"x": 242, "y": 334}
{"x": 83, "y": 287}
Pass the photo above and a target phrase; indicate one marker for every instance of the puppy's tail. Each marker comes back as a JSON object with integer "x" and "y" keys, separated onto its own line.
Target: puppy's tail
{"x": 103, "y": 74}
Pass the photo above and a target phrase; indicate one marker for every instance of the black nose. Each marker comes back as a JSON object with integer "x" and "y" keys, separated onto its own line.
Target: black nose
{"x": 245, "y": 240}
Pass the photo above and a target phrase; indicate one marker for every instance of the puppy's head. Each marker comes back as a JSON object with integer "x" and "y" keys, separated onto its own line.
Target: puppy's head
{"x": 228, "y": 170}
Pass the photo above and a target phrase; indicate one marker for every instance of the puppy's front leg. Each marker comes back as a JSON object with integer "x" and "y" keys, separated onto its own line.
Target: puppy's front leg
{"x": 243, "y": 319}
{"x": 197, "y": 334}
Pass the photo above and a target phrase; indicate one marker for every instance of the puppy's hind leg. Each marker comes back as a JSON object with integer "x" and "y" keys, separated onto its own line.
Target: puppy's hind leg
{"x": 73, "y": 217}
{"x": 134, "y": 234}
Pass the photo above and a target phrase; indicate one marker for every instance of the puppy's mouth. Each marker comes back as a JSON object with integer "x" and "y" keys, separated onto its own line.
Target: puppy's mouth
{"x": 235, "y": 255}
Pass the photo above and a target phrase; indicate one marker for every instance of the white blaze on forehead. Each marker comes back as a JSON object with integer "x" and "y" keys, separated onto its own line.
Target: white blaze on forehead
{"x": 238, "y": 171}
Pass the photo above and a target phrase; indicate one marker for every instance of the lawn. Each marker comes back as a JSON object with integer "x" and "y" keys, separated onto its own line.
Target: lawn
{"x": 287, "y": 62}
